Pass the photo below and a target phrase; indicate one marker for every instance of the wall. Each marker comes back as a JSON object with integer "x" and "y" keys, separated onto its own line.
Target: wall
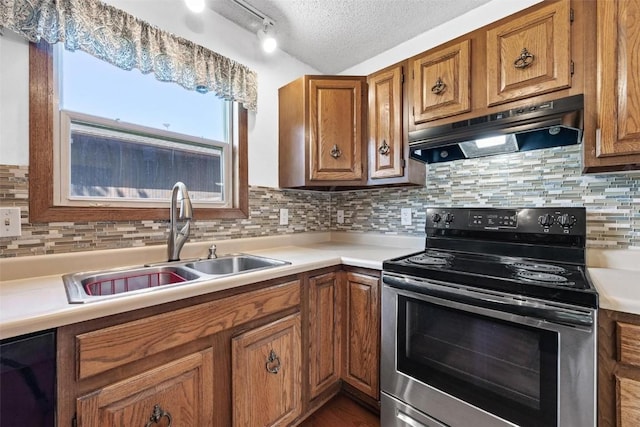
{"x": 548, "y": 177}
{"x": 208, "y": 29}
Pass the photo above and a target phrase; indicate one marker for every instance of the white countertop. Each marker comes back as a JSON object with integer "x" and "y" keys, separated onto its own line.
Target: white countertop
{"x": 32, "y": 295}
{"x": 31, "y": 304}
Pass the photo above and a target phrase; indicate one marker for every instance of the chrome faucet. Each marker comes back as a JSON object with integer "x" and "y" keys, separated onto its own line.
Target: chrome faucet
{"x": 177, "y": 238}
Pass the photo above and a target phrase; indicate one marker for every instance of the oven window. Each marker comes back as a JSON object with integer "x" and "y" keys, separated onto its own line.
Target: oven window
{"x": 505, "y": 368}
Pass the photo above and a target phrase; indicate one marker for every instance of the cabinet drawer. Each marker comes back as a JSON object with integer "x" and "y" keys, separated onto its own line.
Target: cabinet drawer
{"x": 628, "y": 336}
{"x": 108, "y": 348}
{"x": 628, "y": 398}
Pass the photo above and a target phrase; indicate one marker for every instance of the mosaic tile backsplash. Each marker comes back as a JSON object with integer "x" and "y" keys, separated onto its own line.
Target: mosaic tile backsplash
{"x": 308, "y": 211}
{"x": 549, "y": 177}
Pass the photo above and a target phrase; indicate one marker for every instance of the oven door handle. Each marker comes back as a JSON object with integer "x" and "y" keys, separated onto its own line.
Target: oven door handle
{"x": 537, "y": 310}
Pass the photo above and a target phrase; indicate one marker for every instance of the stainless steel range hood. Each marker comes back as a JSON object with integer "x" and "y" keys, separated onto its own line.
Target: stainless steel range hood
{"x": 548, "y": 124}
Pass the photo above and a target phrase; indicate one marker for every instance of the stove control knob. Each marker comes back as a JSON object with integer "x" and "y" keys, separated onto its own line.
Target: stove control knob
{"x": 545, "y": 220}
{"x": 436, "y": 218}
{"x": 448, "y": 218}
{"x": 566, "y": 220}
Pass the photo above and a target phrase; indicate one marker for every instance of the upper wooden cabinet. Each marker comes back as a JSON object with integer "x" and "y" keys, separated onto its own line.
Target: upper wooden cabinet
{"x": 321, "y": 121}
{"x": 530, "y": 55}
{"x": 386, "y": 136}
{"x": 441, "y": 82}
{"x": 616, "y": 145}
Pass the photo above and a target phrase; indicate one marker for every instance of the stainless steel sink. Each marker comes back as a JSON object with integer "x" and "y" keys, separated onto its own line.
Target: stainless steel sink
{"x": 100, "y": 285}
{"x": 95, "y": 286}
{"x": 234, "y": 264}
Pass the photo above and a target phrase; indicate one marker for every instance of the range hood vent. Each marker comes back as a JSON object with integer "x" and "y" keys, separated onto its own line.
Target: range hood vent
{"x": 548, "y": 124}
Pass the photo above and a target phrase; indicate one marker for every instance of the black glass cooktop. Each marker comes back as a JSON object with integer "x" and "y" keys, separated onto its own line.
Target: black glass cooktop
{"x": 557, "y": 281}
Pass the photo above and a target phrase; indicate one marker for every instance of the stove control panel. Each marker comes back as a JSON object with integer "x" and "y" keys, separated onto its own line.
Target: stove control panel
{"x": 561, "y": 221}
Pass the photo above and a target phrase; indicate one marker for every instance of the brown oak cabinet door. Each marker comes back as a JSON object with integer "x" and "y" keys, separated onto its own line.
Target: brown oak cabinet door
{"x": 179, "y": 393}
{"x": 335, "y": 131}
{"x": 385, "y": 124}
{"x": 619, "y": 73}
{"x": 362, "y": 333}
{"x": 266, "y": 374}
{"x": 530, "y": 55}
{"x": 441, "y": 81}
{"x": 324, "y": 332}
{"x": 628, "y": 402}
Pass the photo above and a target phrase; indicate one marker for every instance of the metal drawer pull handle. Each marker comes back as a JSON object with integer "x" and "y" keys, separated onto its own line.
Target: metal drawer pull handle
{"x": 439, "y": 87}
{"x": 273, "y": 363}
{"x": 157, "y": 414}
{"x": 524, "y": 60}
{"x": 384, "y": 148}
{"x": 335, "y": 151}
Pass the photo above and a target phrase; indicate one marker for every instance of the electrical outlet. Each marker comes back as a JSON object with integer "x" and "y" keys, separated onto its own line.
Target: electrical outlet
{"x": 340, "y": 216}
{"x": 405, "y": 216}
{"x": 284, "y": 216}
{"x": 10, "y": 222}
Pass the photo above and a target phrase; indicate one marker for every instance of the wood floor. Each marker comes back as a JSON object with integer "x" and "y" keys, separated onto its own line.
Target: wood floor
{"x": 342, "y": 412}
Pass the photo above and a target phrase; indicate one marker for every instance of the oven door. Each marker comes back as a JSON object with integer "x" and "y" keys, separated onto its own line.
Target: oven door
{"x": 466, "y": 356}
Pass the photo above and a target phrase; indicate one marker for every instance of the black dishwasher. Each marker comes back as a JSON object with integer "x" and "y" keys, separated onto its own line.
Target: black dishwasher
{"x": 27, "y": 380}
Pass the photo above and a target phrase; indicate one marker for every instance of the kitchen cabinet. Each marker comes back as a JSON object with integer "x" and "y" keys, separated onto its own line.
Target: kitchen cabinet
{"x": 617, "y": 142}
{"x": 361, "y": 367}
{"x": 388, "y": 148}
{"x": 529, "y": 55}
{"x": 325, "y": 335}
{"x": 267, "y": 379}
{"x": 618, "y": 369}
{"x": 178, "y": 393}
{"x": 115, "y": 370}
{"x": 441, "y": 82}
{"x": 321, "y": 132}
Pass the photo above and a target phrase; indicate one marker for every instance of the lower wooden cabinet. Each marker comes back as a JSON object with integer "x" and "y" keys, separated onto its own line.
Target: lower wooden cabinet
{"x": 267, "y": 356}
{"x": 267, "y": 376}
{"x": 175, "y": 394}
{"x": 618, "y": 369}
{"x": 361, "y": 367}
{"x": 324, "y": 332}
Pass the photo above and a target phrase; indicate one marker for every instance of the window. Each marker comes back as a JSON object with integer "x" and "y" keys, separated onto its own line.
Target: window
{"x": 95, "y": 160}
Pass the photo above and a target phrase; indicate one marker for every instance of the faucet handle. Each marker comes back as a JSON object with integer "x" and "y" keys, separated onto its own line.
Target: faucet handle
{"x": 212, "y": 252}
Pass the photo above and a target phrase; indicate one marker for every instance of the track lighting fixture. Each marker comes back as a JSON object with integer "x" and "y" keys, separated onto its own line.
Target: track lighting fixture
{"x": 266, "y": 36}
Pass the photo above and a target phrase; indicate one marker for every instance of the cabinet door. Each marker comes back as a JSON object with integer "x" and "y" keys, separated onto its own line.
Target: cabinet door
{"x": 324, "y": 332}
{"x": 619, "y": 73}
{"x": 335, "y": 129}
{"x": 266, "y": 376}
{"x": 628, "y": 398}
{"x": 441, "y": 81}
{"x": 179, "y": 393}
{"x": 386, "y": 136}
{"x": 530, "y": 55}
{"x": 362, "y": 333}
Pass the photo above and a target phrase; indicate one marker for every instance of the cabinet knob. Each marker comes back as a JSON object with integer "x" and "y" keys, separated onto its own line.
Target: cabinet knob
{"x": 158, "y": 414}
{"x": 384, "y": 148}
{"x": 273, "y": 362}
{"x": 524, "y": 60}
{"x": 439, "y": 87}
{"x": 335, "y": 151}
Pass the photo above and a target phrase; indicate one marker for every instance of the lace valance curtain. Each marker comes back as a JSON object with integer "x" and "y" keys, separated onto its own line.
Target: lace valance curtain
{"x": 127, "y": 42}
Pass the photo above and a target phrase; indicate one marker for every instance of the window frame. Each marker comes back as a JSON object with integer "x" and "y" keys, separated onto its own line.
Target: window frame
{"x": 42, "y": 207}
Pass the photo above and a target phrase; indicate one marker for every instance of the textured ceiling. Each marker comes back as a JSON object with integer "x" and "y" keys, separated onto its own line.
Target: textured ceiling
{"x": 333, "y": 35}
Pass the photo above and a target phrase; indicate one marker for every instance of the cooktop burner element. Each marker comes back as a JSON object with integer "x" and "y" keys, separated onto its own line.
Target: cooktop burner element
{"x": 424, "y": 259}
{"x": 525, "y": 251}
{"x": 537, "y": 276}
{"x": 539, "y": 268}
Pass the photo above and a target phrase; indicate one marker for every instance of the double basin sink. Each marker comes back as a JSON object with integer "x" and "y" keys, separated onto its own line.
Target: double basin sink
{"x": 97, "y": 286}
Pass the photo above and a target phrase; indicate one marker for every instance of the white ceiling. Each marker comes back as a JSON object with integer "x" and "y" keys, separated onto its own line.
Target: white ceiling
{"x": 334, "y": 35}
